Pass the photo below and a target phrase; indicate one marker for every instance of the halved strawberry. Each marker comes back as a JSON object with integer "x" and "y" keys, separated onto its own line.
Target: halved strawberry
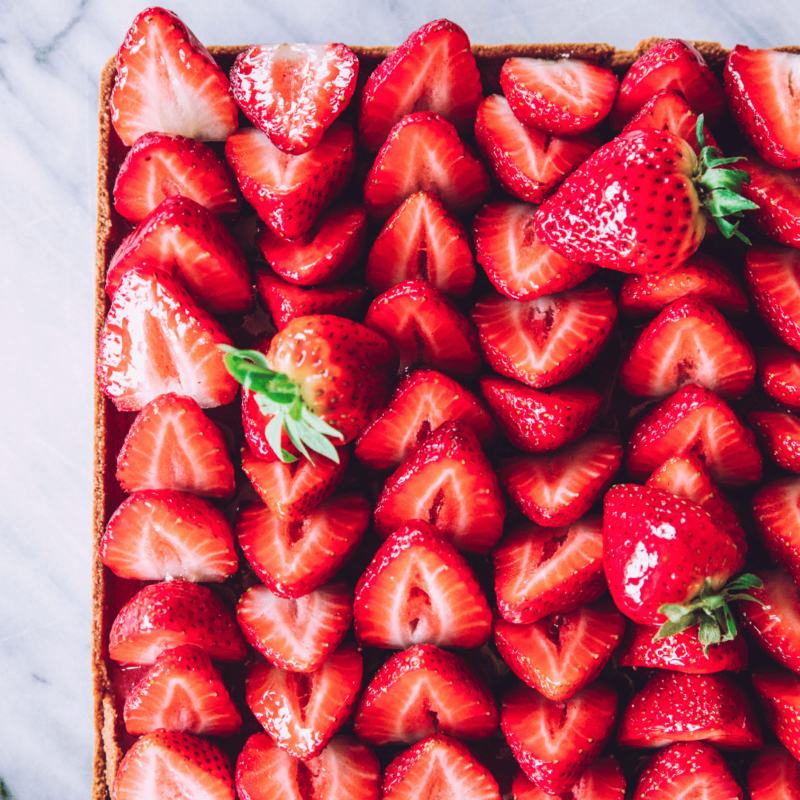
{"x": 780, "y": 697}
{"x": 419, "y": 589}
{"x": 422, "y": 240}
{"x": 776, "y": 511}
{"x": 165, "y": 615}
{"x": 761, "y": 91}
{"x": 680, "y": 707}
{"x": 173, "y": 445}
{"x": 296, "y": 635}
{"x": 182, "y": 691}
{"x": 424, "y": 690}
{"x": 424, "y": 152}
{"x": 778, "y": 374}
{"x": 293, "y": 92}
{"x": 160, "y": 534}
{"x": 564, "y": 96}
{"x": 601, "y": 780}
{"x": 563, "y": 652}
{"x": 289, "y": 192}
{"x": 555, "y": 489}
{"x": 548, "y": 340}
{"x": 164, "y": 759}
{"x": 157, "y": 340}
{"x": 324, "y": 253}
{"x": 537, "y": 421}
{"x": 433, "y": 70}
{"x": 160, "y": 166}
{"x": 301, "y": 711}
{"x": 427, "y": 328}
{"x": 676, "y": 65}
{"x": 422, "y": 401}
{"x": 773, "y": 275}
{"x": 697, "y": 421}
{"x": 448, "y": 482}
{"x": 554, "y": 741}
{"x": 774, "y": 775}
{"x": 515, "y": 261}
{"x": 540, "y": 571}
{"x": 526, "y": 162}
{"x": 294, "y": 558}
{"x": 440, "y": 767}
{"x": 778, "y": 433}
{"x": 168, "y": 82}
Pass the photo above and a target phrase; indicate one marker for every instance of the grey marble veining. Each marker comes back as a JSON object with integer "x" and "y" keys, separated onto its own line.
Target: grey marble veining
{"x": 51, "y": 55}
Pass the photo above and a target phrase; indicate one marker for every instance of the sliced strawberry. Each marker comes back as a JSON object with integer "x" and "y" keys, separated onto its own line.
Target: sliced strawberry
{"x": 675, "y": 65}
{"x": 165, "y": 615}
{"x": 680, "y": 707}
{"x": 763, "y": 99}
{"x": 440, "y": 767}
{"x": 563, "y": 652}
{"x": 165, "y": 760}
{"x": 554, "y": 741}
{"x": 526, "y": 162}
{"x": 773, "y": 275}
{"x": 160, "y": 166}
{"x": 296, "y": 635}
{"x": 601, "y": 780}
{"x": 294, "y": 558}
{"x": 515, "y": 261}
{"x": 302, "y": 710}
{"x": 448, "y": 482}
{"x": 422, "y": 401}
{"x": 778, "y": 433}
{"x": 433, "y": 70}
{"x": 325, "y": 253}
{"x": 427, "y": 328}
{"x": 776, "y": 511}
{"x": 182, "y": 691}
{"x": 161, "y": 534}
{"x": 697, "y": 421}
{"x": 173, "y": 445}
{"x": 779, "y": 374}
{"x": 424, "y": 690}
{"x": 540, "y": 571}
{"x": 780, "y": 697}
{"x": 700, "y": 277}
{"x": 555, "y": 489}
{"x": 422, "y": 240}
{"x": 537, "y": 421}
{"x": 289, "y": 192}
{"x": 548, "y": 340}
{"x": 420, "y": 590}
{"x": 424, "y": 152}
{"x": 168, "y": 82}
{"x": 560, "y": 97}
{"x": 293, "y": 92}
{"x": 774, "y": 775}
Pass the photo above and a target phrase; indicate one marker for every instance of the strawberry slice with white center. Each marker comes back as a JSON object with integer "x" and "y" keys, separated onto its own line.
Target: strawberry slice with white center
{"x": 448, "y": 482}
{"x": 433, "y": 70}
{"x": 439, "y": 767}
{"x": 424, "y": 153}
{"x": 563, "y": 652}
{"x": 779, "y": 434}
{"x": 157, "y": 340}
{"x": 293, "y": 92}
{"x": 422, "y": 240}
{"x": 419, "y": 589}
{"x": 555, "y": 489}
{"x": 548, "y": 340}
{"x": 302, "y": 710}
{"x": 539, "y": 571}
{"x": 603, "y": 779}
{"x": 778, "y": 374}
{"x": 182, "y": 691}
{"x": 774, "y": 775}
{"x": 296, "y": 635}
{"x": 294, "y": 558}
{"x": 689, "y": 342}
{"x": 776, "y": 511}
{"x": 168, "y": 82}
{"x": 173, "y": 445}
{"x": 424, "y": 690}
{"x": 289, "y": 192}
{"x": 526, "y": 162}
{"x": 773, "y": 276}
{"x": 162, "y": 534}
{"x": 780, "y": 696}
{"x": 561, "y": 97}
{"x": 165, "y": 763}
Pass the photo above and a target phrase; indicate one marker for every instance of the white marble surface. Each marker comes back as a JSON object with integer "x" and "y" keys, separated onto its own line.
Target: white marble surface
{"x": 51, "y": 54}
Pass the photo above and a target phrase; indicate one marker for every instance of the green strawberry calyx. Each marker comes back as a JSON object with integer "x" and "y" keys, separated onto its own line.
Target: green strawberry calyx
{"x": 277, "y": 396}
